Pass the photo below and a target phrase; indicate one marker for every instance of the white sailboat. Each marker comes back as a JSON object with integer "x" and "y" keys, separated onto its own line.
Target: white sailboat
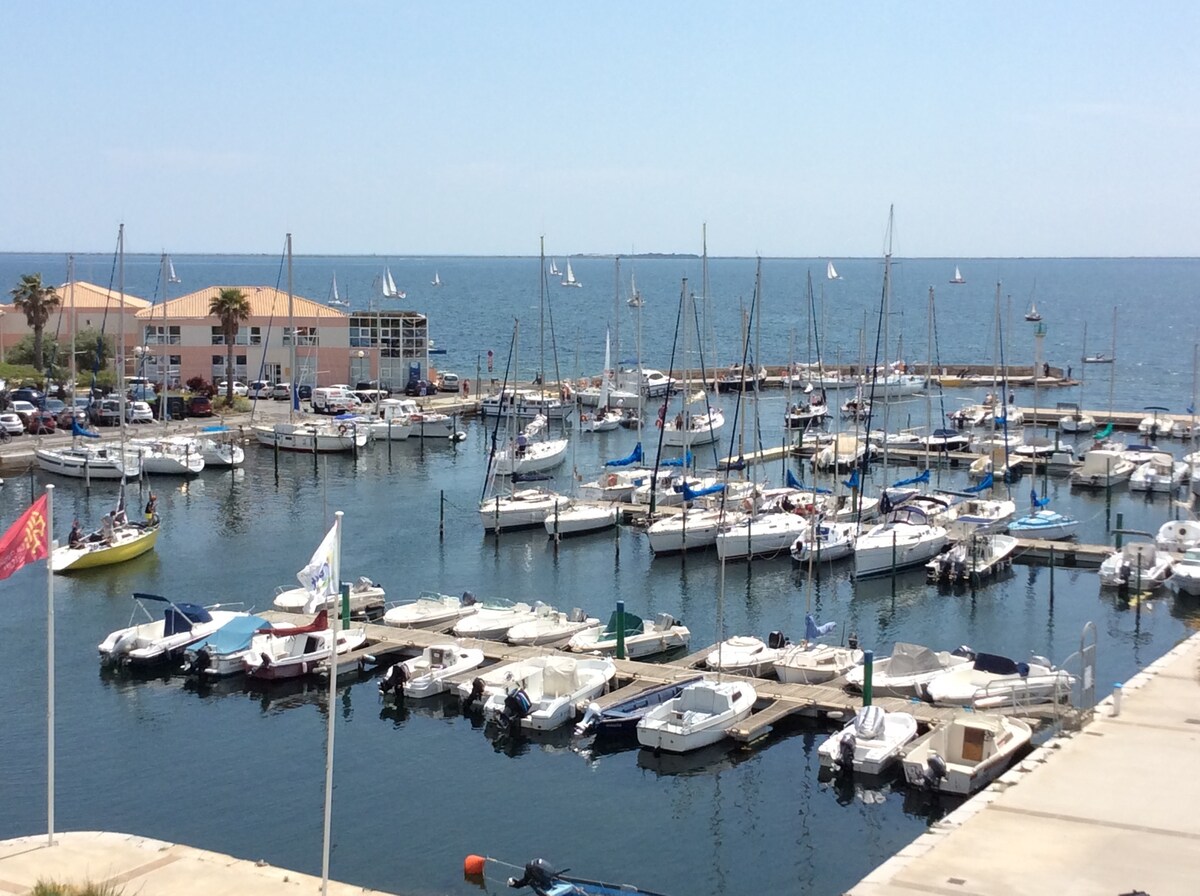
{"x": 569, "y": 279}
{"x": 831, "y": 272}
{"x": 389, "y": 286}
{"x": 334, "y": 298}
{"x": 437, "y": 280}
{"x": 171, "y": 277}
{"x": 958, "y": 277}
{"x": 554, "y": 271}
{"x": 635, "y": 297}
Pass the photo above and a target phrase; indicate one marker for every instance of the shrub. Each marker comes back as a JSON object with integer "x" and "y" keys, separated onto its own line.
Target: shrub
{"x": 53, "y": 888}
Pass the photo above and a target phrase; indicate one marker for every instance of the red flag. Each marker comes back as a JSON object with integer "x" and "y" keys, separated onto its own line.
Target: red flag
{"x": 26, "y": 540}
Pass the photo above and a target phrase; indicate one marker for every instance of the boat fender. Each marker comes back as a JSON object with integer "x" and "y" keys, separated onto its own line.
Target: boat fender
{"x": 611, "y": 480}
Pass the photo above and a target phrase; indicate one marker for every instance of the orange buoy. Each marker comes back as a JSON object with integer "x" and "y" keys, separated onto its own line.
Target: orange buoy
{"x": 474, "y": 865}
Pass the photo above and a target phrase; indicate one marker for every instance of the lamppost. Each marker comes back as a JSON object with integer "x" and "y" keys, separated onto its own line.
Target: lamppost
{"x": 356, "y": 377}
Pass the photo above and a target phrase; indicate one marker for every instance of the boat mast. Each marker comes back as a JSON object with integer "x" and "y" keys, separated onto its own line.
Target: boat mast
{"x": 1112, "y": 370}
{"x": 71, "y": 299}
{"x": 542, "y": 316}
{"x": 121, "y": 331}
{"x": 294, "y": 403}
{"x": 162, "y": 401}
{"x": 887, "y": 310}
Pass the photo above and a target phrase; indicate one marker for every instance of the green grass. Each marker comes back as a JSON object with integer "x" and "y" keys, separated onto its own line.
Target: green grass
{"x": 51, "y": 888}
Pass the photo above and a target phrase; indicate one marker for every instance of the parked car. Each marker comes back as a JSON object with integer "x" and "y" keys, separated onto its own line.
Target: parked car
{"x": 138, "y": 412}
{"x": 22, "y": 409}
{"x": 106, "y": 412}
{"x": 420, "y": 387}
{"x": 144, "y": 392}
{"x": 282, "y": 391}
{"x": 449, "y": 382}
{"x": 27, "y": 393}
{"x": 260, "y": 389}
{"x": 67, "y": 414}
{"x": 238, "y": 388}
{"x": 12, "y": 423}
{"x": 40, "y": 422}
{"x": 54, "y": 406}
{"x": 199, "y": 406}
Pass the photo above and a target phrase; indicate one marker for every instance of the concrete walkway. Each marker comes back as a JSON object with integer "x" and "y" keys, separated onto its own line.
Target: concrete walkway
{"x": 1108, "y": 810}
{"x": 148, "y": 868}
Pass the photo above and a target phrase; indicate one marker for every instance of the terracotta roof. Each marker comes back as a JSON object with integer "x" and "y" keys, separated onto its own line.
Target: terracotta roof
{"x": 89, "y": 296}
{"x": 264, "y": 301}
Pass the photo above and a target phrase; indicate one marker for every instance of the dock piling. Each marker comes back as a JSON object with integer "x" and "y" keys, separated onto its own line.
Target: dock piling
{"x": 868, "y": 676}
{"x": 620, "y": 629}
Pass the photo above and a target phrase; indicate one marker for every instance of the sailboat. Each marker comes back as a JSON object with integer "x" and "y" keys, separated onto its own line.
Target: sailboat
{"x": 554, "y": 271}
{"x": 171, "y": 277}
{"x": 831, "y": 272}
{"x": 335, "y": 299}
{"x": 1033, "y": 314}
{"x": 958, "y": 277}
{"x": 437, "y": 280}
{"x": 635, "y": 297}
{"x": 690, "y": 428}
{"x": 569, "y": 279}
{"x": 389, "y": 286}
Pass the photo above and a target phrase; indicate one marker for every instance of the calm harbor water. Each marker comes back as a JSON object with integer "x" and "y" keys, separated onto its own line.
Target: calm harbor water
{"x": 239, "y": 768}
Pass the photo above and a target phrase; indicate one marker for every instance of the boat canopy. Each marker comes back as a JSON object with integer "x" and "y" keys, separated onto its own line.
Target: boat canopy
{"x": 984, "y": 484}
{"x": 633, "y": 625}
{"x": 635, "y": 457}
{"x": 77, "y": 430}
{"x": 911, "y": 659}
{"x": 319, "y": 624}
{"x": 181, "y": 617}
{"x": 233, "y": 636}
{"x": 999, "y": 665}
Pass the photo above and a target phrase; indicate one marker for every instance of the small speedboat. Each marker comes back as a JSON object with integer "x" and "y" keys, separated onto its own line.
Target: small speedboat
{"x": 908, "y": 668}
{"x": 1137, "y": 563}
{"x": 1185, "y": 574}
{"x": 624, "y": 716}
{"x": 698, "y": 717}
{"x": 1047, "y": 524}
{"x": 365, "y": 595}
{"x": 870, "y": 743}
{"x": 425, "y": 674}
{"x": 747, "y": 655}
{"x": 539, "y": 693}
{"x": 431, "y": 610}
{"x": 162, "y": 639}
{"x": 541, "y": 877}
{"x": 493, "y": 618}
{"x": 827, "y": 541}
{"x": 1178, "y": 535}
{"x": 966, "y": 753}
{"x": 291, "y": 651}
{"x": 550, "y": 628}
{"x": 642, "y": 638}
{"x": 220, "y": 654}
{"x": 991, "y": 680}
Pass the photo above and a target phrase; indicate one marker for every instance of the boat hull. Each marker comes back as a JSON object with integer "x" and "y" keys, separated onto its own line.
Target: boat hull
{"x": 67, "y": 559}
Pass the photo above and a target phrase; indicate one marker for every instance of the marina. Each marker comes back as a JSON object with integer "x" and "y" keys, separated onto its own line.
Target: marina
{"x": 412, "y": 525}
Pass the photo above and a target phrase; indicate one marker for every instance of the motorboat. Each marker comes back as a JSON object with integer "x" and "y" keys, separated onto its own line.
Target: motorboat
{"x": 946, "y": 440}
{"x": 615, "y": 485}
{"x": 128, "y": 540}
{"x": 971, "y": 558}
{"x": 1162, "y": 474}
{"x": 422, "y": 423}
{"x": 600, "y": 420}
{"x": 521, "y": 509}
{"x": 426, "y": 674}
{"x": 391, "y": 421}
{"x": 431, "y": 610}
{"x": 220, "y": 654}
{"x": 736, "y": 378}
{"x": 579, "y": 518}
{"x": 541, "y": 877}
{"x": 1139, "y": 564}
{"x": 90, "y": 462}
{"x": 747, "y": 655}
{"x": 805, "y": 414}
{"x": 324, "y": 437}
{"x": 870, "y": 744}
{"x": 1155, "y": 425}
{"x": 550, "y": 627}
{"x": 1102, "y": 468}
{"x": 169, "y": 457}
{"x": 966, "y": 753}
{"x": 825, "y": 542}
{"x": 984, "y": 515}
{"x": 994, "y": 464}
{"x": 1178, "y": 535}
{"x": 698, "y": 717}
{"x": 493, "y": 618}
{"x": 365, "y": 597}
{"x": 1185, "y": 574}
{"x": 218, "y": 446}
{"x": 641, "y": 638}
{"x": 812, "y": 662}
{"x": 162, "y": 639}
{"x": 292, "y": 651}
{"x": 622, "y": 717}
{"x": 1062, "y": 461}
{"x": 539, "y": 693}
{"x": 846, "y": 453}
{"x": 1046, "y": 524}
{"x": 908, "y": 669}
{"x": 906, "y": 538}
{"x": 1076, "y": 421}
{"x": 526, "y": 404}
{"x": 990, "y": 680}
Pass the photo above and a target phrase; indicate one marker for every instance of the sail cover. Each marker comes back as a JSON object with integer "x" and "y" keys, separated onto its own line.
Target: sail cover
{"x": 1036, "y": 501}
{"x": 689, "y": 495}
{"x": 812, "y": 631}
{"x": 677, "y": 461}
{"x": 635, "y": 457}
{"x": 984, "y": 485}
{"x": 916, "y": 480}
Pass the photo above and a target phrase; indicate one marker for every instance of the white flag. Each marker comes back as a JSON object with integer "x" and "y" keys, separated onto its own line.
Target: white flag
{"x": 317, "y": 577}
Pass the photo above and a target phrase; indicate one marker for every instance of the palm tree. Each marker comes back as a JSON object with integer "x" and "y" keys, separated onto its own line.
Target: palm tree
{"x": 36, "y": 300}
{"x": 233, "y": 308}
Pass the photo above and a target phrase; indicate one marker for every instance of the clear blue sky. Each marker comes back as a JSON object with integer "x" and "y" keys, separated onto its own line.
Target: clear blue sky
{"x": 996, "y": 129}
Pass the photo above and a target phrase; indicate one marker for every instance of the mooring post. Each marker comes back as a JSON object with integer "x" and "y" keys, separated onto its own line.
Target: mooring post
{"x": 441, "y": 512}
{"x": 868, "y": 674}
{"x": 1051, "y": 576}
{"x": 345, "y": 625}
{"x": 1120, "y": 526}
{"x": 620, "y": 629}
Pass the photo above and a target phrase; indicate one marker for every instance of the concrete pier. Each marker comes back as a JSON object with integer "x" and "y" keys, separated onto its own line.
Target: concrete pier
{"x": 1110, "y": 809}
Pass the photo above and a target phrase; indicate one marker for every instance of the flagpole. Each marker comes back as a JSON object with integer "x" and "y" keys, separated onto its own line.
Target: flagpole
{"x": 335, "y": 576}
{"x": 50, "y": 664}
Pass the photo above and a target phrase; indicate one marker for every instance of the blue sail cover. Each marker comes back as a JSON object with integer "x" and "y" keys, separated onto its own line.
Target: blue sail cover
{"x": 812, "y": 631}
{"x": 233, "y": 636}
{"x": 1036, "y": 501}
{"x": 77, "y": 430}
{"x": 689, "y": 495}
{"x": 853, "y": 481}
{"x": 792, "y": 481}
{"x": 916, "y": 480}
{"x": 677, "y": 461}
{"x": 634, "y": 458}
{"x": 987, "y": 483}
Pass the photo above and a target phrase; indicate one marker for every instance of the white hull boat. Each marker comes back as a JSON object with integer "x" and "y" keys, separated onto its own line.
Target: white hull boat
{"x": 163, "y": 457}
{"x": 615, "y": 485}
{"x": 526, "y": 404}
{"x": 290, "y": 652}
{"x": 1077, "y": 422}
{"x": 314, "y": 438}
{"x": 550, "y": 628}
{"x": 579, "y": 519}
{"x": 909, "y": 668}
{"x": 1178, "y": 535}
{"x": 1102, "y": 468}
{"x": 689, "y": 531}
{"x": 981, "y": 514}
{"x": 1185, "y": 574}
{"x": 825, "y": 542}
{"x": 990, "y": 681}
{"x": 431, "y": 610}
{"x": 905, "y": 539}
{"x": 870, "y": 744}
{"x": 219, "y": 655}
{"x": 698, "y": 717}
{"x": 1137, "y": 564}
{"x": 365, "y": 595}
{"x": 1163, "y": 475}
{"x": 426, "y": 674}
{"x": 764, "y": 534}
{"x": 162, "y": 639}
{"x": 965, "y": 754}
{"x": 540, "y": 693}
{"x": 747, "y": 655}
{"x": 1046, "y": 524}
{"x": 694, "y": 429}
{"x": 492, "y": 620}
{"x": 811, "y": 662}
{"x": 536, "y": 457}
{"x": 642, "y": 638}
{"x": 88, "y": 462}
{"x": 971, "y": 558}
{"x": 523, "y": 509}
{"x": 218, "y": 450}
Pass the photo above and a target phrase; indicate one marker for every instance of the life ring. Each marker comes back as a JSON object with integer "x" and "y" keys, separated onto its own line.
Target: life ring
{"x": 805, "y": 510}
{"x": 341, "y": 429}
{"x": 610, "y": 480}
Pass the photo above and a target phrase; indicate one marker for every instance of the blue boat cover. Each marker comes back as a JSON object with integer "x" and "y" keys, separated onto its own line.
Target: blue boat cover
{"x": 853, "y": 481}
{"x": 689, "y": 495}
{"x": 635, "y": 457}
{"x": 677, "y": 461}
{"x": 1035, "y": 501}
{"x": 215, "y": 429}
{"x": 233, "y": 636}
{"x": 812, "y": 631}
{"x": 984, "y": 485}
{"x": 916, "y": 480}
{"x": 998, "y": 665}
{"x": 77, "y": 430}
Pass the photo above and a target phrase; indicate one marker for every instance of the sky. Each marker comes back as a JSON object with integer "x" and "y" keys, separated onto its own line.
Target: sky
{"x": 995, "y": 129}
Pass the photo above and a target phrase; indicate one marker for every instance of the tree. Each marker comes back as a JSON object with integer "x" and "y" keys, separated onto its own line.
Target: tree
{"x": 36, "y": 301}
{"x": 233, "y": 309}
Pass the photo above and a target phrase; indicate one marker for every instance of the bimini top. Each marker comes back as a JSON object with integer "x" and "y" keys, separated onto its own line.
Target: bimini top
{"x": 177, "y": 617}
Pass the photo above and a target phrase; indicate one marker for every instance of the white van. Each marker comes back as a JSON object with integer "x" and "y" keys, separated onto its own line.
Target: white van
{"x": 333, "y": 400}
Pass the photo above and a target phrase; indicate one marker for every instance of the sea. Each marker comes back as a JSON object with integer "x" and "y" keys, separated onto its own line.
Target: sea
{"x": 239, "y": 767}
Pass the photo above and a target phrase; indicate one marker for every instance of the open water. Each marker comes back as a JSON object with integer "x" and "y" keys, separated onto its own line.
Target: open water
{"x": 240, "y": 768}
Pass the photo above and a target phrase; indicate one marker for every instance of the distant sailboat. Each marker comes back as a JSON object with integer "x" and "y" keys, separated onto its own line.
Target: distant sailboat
{"x": 554, "y": 271}
{"x": 958, "y": 277}
{"x": 635, "y": 297}
{"x": 171, "y": 277}
{"x": 437, "y": 281}
{"x": 1033, "y": 314}
{"x": 389, "y": 286}
{"x": 831, "y": 272}
{"x": 335, "y": 299}
{"x": 570, "y": 280}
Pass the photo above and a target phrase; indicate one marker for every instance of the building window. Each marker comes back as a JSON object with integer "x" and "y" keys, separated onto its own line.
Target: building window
{"x": 218, "y": 360}
{"x": 218, "y": 336}
{"x": 256, "y": 335}
{"x": 304, "y": 336}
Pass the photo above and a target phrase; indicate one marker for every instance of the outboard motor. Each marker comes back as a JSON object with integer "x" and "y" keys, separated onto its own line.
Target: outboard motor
{"x": 777, "y": 640}
{"x": 852, "y": 641}
{"x": 201, "y": 661}
{"x": 935, "y": 771}
{"x": 843, "y": 762}
{"x": 476, "y": 694}
{"x": 964, "y": 651}
{"x": 539, "y": 874}
{"x": 585, "y": 724}
{"x": 393, "y": 679}
{"x": 468, "y": 598}
{"x": 516, "y": 706}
